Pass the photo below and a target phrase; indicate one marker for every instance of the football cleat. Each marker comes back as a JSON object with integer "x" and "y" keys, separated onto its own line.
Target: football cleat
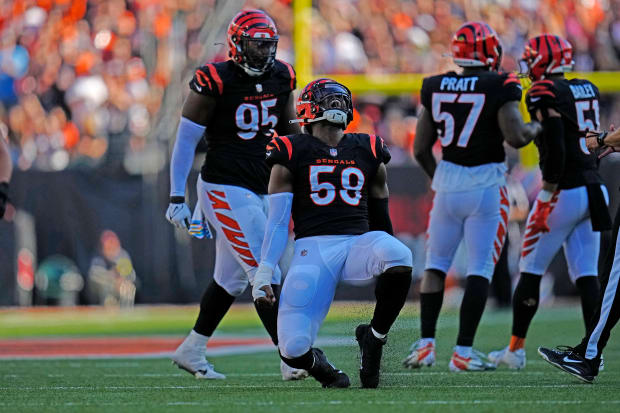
{"x": 476, "y": 362}
{"x": 325, "y": 373}
{"x": 371, "y": 349}
{"x": 289, "y": 373}
{"x": 513, "y": 359}
{"x": 192, "y": 360}
{"x": 421, "y": 355}
{"x": 568, "y": 360}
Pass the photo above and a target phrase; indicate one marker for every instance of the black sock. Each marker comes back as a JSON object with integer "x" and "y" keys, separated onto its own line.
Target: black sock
{"x": 391, "y": 293}
{"x": 269, "y": 315}
{"x": 525, "y": 303}
{"x": 472, "y": 307}
{"x": 304, "y": 362}
{"x": 214, "y": 305}
{"x": 430, "y": 306}
{"x": 589, "y": 290}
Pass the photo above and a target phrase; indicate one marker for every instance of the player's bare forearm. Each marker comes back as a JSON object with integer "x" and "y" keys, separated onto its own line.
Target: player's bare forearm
{"x": 198, "y": 108}
{"x": 284, "y": 127}
{"x": 425, "y": 138}
{"x": 516, "y": 132}
{"x": 280, "y": 180}
{"x": 378, "y": 186}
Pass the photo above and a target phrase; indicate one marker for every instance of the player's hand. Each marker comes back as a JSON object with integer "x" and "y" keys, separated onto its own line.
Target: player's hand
{"x": 178, "y": 213}
{"x": 261, "y": 286}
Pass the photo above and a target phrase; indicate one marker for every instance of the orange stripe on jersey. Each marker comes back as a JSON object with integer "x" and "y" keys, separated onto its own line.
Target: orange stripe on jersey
{"x": 512, "y": 78}
{"x": 275, "y": 142}
{"x": 291, "y": 72}
{"x": 202, "y": 78}
{"x": 229, "y": 222}
{"x": 216, "y": 77}
{"x": 235, "y": 237}
{"x": 244, "y": 252}
{"x": 373, "y": 142}
{"x": 289, "y": 146}
{"x": 218, "y": 203}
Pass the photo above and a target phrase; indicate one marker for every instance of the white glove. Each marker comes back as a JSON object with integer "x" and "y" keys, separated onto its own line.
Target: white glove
{"x": 262, "y": 278}
{"x": 179, "y": 215}
{"x": 199, "y": 227}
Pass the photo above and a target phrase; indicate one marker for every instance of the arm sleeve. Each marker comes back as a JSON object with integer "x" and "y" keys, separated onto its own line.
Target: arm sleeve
{"x": 188, "y": 136}
{"x": 552, "y": 149}
{"x": 425, "y": 95}
{"x": 276, "y": 230}
{"x": 206, "y": 81}
{"x": 383, "y": 153}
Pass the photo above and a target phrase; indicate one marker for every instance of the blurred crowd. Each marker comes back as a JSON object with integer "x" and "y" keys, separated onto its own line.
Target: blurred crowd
{"x": 82, "y": 82}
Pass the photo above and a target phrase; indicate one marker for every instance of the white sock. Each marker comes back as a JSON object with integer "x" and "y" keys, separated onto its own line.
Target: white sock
{"x": 463, "y": 351}
{"x": 196, "y": 340}
{"x": 378, "y": 335}
{"x": 425, "y": 341}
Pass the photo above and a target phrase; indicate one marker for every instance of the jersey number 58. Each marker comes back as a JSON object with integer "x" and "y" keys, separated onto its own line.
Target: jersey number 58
{"x": 324, "y": 193}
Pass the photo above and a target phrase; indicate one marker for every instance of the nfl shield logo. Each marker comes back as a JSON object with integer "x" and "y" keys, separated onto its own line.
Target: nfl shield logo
{"x": 259, "y": 87}
{"x": 333, "y": 152}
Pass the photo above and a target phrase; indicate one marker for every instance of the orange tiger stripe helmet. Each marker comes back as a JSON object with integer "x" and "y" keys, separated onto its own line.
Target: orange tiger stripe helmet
{"x": 547, "y": 54}
{"x": 253, "y": 41}
{"x": 475, "y": 44}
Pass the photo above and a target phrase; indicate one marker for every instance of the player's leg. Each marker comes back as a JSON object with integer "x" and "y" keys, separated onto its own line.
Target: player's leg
{"x": 538, "y": 250}
{"x": 380, "y": 255}
{"x": 445, "y": 231}
{"x": 583, "y": 360}
{"x": 484, "y": 233}
{"x": 582, "y": 248}
{"x": 239, "y": 217}
{"x": 215, "y": 302}
{"x": 306, "y": 296}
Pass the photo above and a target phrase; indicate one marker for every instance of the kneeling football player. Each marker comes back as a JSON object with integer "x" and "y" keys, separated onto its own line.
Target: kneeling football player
{"x": 334, "y": 183}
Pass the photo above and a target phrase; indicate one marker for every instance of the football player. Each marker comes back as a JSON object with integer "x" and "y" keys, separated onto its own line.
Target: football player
{"x": 583, "y": 361}
{"x": 471, "y": 113}
{"x": 237, "y": 105}
{"x": 572, "y": 205}
{"x": 335, "y": 185}
{"x": 6, "y": 167}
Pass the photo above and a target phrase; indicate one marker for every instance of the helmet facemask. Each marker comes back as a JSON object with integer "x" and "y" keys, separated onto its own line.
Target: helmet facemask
{"x": 325, "y": 101}
{"x": 258, "y": 54}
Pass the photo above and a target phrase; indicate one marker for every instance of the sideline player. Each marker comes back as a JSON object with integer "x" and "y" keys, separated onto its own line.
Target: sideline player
{"x": 6, "y": 167}
{"x": 572, "y": 205}
{"x": 583, "y": 360}
{"x": 236, "y": 105}
{"x": 471, "y": 113}
{"x": 335, "y": 185}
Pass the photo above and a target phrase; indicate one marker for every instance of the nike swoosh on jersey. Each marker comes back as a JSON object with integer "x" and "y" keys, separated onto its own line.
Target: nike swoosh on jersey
{"x": 199, "y": 88}
{"x": 534, "y": 99}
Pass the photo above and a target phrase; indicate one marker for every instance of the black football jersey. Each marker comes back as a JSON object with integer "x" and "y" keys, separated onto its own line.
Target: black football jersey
{"x": 577, "y": 100}
{"x": 330, "y": 184}
{"x": 247, "y": 113}
{"x": 464, "y": 111}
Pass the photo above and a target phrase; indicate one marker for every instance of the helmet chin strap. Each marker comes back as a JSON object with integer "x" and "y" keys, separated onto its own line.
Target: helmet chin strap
{"x": 331, "y": 115}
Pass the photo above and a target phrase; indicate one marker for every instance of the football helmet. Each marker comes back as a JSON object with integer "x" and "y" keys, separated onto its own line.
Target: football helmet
{"x": 253, "y": 41}
{"x": 547, "y": 54}
{"x": 324, "y": 99}
{"x": 475, "y": 44}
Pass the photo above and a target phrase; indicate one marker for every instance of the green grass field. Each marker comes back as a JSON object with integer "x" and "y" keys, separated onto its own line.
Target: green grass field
{"x": 254, "y": 383}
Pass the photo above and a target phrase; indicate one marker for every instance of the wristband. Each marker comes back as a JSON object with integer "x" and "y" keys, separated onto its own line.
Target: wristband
{"x": 600, "y": 138}
{"x": 177, "y": 199}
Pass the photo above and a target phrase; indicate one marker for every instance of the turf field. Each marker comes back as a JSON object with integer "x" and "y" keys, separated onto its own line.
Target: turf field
{"x": 151, "y": 384}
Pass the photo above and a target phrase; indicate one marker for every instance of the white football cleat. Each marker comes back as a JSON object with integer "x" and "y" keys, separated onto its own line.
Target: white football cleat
{"x": 513, "y": 359}
{"x": 476, "y": 362}
{"x": 192, "y": 360}
{"x": 421, "y": 355}
{"x": 289, "y": 373}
